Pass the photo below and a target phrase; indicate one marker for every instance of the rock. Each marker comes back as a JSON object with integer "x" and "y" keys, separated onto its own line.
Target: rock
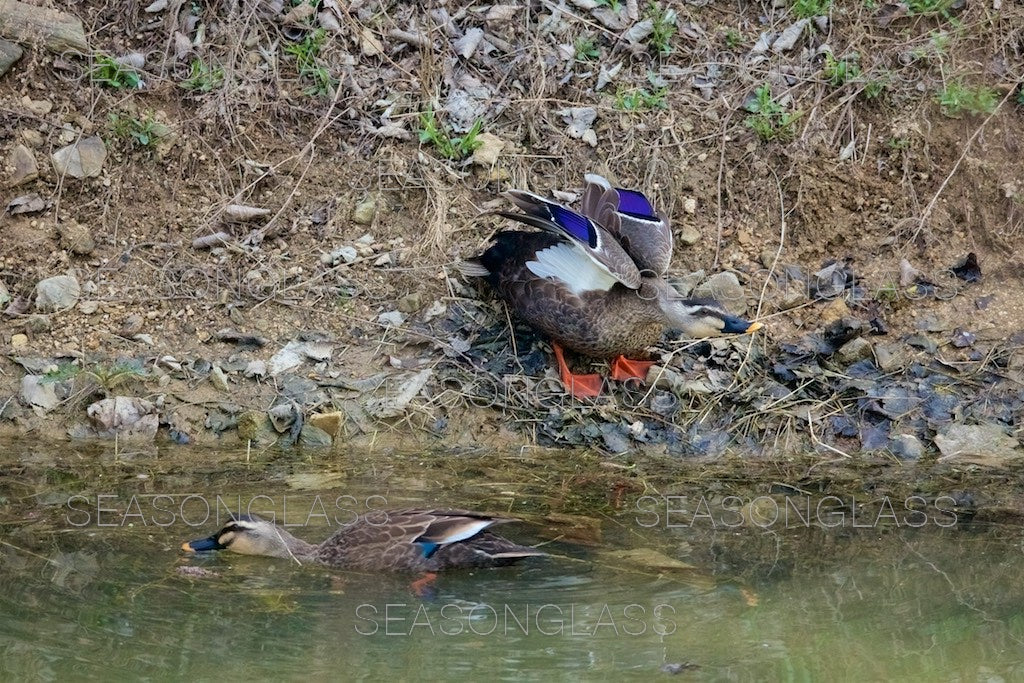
{"x": 9, "y": 54}
{"x": 792, "y": 297}
{"x": 979, "y": 444}
{"x": 38, "y": 393}
{"x": 724, "y": 288}
{"x": 82, "y": 159}
{"x": 295, "y": 352}
{"x": 219, "y": 379}
{"x": 391, "y": 319}
{"x": 37, "y": 324}
{"x": 57, "y": 293}
{"x": 364, "y": 211}
{"x": 255, "y": 426}
{"x": 89, "y": 307}
{"x": 855, "y": 350}
{"x": 76, "y": 237}
{"x": 888, "y": 358}
{"x": 489, "y": 150}
{"x": 5, "y": 296}
{"x": 410, "y": 303}
{"x": 125, "y": 417}
{"x": 688, "y": 235}
{"x": 38, "y": 107}
{"x": 383, "y": 260}
{"x": 331, "y": 423}
{"x": 314, "y": 437}
{"x": 906, "y": 447}
{"x": 255, "y": 368}
{"x": 19, "y": 341}
{"x": 690, "y": 205}
{"x": 836, "y": 310}
{"x": 23, "y": 166}
{"x": 32, "y": 138}
{"x": 346, "y": 254}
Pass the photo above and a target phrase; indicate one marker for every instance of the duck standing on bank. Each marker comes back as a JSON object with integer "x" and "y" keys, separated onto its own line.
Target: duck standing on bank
{"x": 593, "y": 281}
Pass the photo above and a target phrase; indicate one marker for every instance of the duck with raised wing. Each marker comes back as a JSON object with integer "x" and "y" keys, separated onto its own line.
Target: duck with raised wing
{"x": 386, "y": 540}
{"x": 593, "y": 281}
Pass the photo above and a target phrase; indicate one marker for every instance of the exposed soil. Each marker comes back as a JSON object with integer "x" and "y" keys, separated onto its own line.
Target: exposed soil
{"x": 923, "y": 181}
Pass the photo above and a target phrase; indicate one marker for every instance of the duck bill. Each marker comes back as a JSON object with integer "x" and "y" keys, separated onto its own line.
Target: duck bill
{"x": 201, "y": 545}
{"x": 734, "y": 325}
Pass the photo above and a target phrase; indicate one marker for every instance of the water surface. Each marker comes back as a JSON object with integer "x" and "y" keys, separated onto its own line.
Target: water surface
{"x": 101, "y": 588}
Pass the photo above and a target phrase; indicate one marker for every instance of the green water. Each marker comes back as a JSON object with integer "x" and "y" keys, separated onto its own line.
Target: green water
{"x": 102, "y": 589}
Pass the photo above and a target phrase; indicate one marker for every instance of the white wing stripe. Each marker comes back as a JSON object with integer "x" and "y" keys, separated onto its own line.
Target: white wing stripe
{"x": 574, "y": 267}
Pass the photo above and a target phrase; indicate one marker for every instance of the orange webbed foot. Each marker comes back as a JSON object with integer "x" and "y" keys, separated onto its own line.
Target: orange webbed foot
{"x": 623, "y": 368}
{"x": 421, "y": 586}
{"x": 580, "y": 386}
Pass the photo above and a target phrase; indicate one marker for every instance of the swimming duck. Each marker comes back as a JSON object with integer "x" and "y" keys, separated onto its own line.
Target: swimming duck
{"x": 593, "y": 281}
{"x": 388, "y": 540}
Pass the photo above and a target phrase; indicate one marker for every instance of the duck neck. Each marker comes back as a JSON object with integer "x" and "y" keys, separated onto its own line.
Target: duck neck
{"x": 289, "y": 547}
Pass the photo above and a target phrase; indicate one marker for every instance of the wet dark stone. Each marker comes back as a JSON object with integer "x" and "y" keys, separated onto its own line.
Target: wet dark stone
{"x": 922, "y": 342}
{"x": 968, "y": 269}
{"x": 939, "y": 408}
{"x": 875, "y": 437}
{"x": 863, "y": 369}
{"x": 962, "y": 338}
{"x": 877, "y": 327}
{"x": 841, "y": 331}
{"x": 844, "y": 426}
{"x": 615, "y": 437}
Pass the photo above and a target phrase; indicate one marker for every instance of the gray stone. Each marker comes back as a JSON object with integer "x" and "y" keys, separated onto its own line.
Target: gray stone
{"x": 219, "y": 379}
{"x": 980, "y": 444}
{"x": 37, "y": 324}
{"x": 364, "y": 211}
{"x": 39, "y": 394}
{"x": 391, "y": 319}
{"x": 724, "y": 288}
{"x": 23, "y": 166}
{"x": 57, "y": 293}
{"x": 125, "y": 417}
{"x": 855, "y": 350}
{"x": 9, "y": 54}
{"x": 314, "y": 437}
{"x": 688, "y": 235}
{"x": 906, "y": 447}
{"x": 82, "y": 159}
{"x": 76, "y": 237}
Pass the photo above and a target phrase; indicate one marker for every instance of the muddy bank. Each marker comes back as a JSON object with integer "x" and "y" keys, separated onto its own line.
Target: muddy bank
{"x": 256, "y": 240}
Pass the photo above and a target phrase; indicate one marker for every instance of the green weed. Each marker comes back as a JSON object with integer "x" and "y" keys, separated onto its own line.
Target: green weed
{"x": 664, "y": 21}
{"x": 768, "y": 118}
{"x": 957, "y": 99}
{"x": 807, "y": 9}
{"x": 586, "y": 49}
{"x": 640, "y": 99}
{"x": 142, "y": 132}
{"x": 733, "y": 39}
{"x": 614, "y": 5}
{"x": 111, "y": 73}
{"x": 940, "y": 7}
{"x": 841, "y": 71}
{"x": 202, "y": 77}
{"x": 432, "y": 131}
{"x": 307, "y": 63}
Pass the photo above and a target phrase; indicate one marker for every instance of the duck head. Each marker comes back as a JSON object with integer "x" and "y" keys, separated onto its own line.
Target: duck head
{"x": 696, "y": 318}
{"x": 251, "y": 535}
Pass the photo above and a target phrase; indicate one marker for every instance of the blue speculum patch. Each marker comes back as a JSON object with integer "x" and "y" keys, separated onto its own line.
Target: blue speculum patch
{"x": 635, "y": 204}
{"x": 576, "y": 225}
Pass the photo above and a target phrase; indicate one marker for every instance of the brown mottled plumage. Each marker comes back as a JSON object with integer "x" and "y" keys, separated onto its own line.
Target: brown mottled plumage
{"x": 593, "y": 281}
{"x": 620, "y": 321}
{"x": 388, "y": 540}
